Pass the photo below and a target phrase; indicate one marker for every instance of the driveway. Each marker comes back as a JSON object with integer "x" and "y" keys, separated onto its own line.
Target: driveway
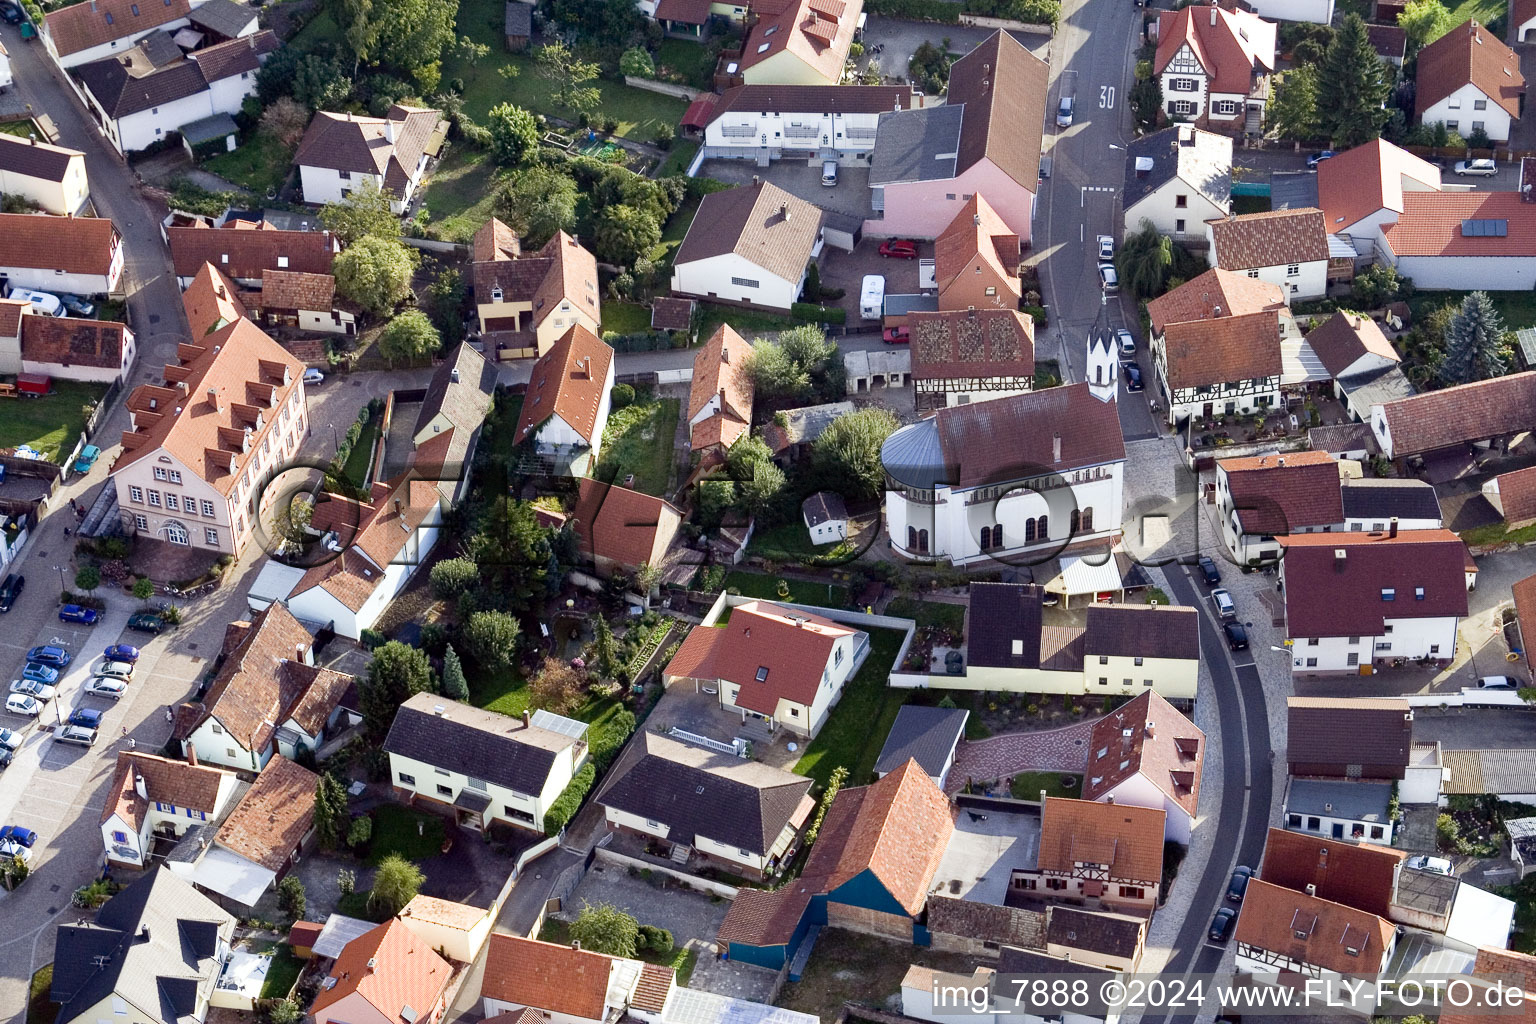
{"x": 691, "y": 917}
{"x": 901, "y": 39}
{"x": 846, "y": 270}
{"x": 1064, "y": 750}
{"x": 802, "y": 178}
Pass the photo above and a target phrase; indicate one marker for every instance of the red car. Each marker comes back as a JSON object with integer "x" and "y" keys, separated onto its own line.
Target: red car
{"x": 901, "y": 248}
{"x": 897, "y": 336}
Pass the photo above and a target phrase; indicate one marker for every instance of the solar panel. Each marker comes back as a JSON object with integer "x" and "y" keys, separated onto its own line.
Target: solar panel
{"x": 1484, "y": 228}
{"x": 558, "y": 723}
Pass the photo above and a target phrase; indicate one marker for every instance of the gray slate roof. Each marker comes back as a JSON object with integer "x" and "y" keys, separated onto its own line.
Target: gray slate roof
{"x": 519, "y": 19}
{"x": 465, "y": 401}
{"x": 824, "y": 507}
{"x": 206, "y": 129}
{"x": 1293, "y": 190}
{"x": 1370, "y": 498}
{"x": 916, "y": 145}
{"x": 1352, "y": 801}
{"x": 1142, "y": 631}
{"x": 1110, "y": 934}
{"x": 158, "y": 973}
{"x": 224, "y": 17}
{"x": 482, "y": 744}
{"x": 926, "y": 734}
{"x": 1023, "y": 961}
{"x": 702, "y": 792}
{"x": 1376, "y": 387}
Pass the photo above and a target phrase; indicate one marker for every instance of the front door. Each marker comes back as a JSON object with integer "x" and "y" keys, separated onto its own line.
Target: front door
{"x": 1338, "y": 830}
{"x": 1208, "y": 410}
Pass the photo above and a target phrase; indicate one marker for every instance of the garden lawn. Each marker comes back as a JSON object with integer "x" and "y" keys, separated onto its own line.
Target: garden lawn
{"x": 1027, "y": 785}
{"x": 638, "y": 440}
{"x": 849, "y": 966}
{"x": 51, "y": 424}
{"x": 322, "y": 28}
{"x": 747, "y": 322}
{"x": 1498, "y": 533}
{"x": 925, "y": 613}
{"x": 1517, "y": 309}
{"x": 1485, "y": 11}
{"x": 394, "y": 831}
{"x": 678, "y": 158}
{"x": 41, "y": 1009}
{"x": 259, "y": 163}
{"x": 756, "y": 584}
{"x": 693, "y": 61}
{"x": 792, "y": 543}
{"x": 626, "y": 317}
{"x": 20, "y": 129}
{"x": 282, "y": 974}
{"x": 461, "y": 194}
{"x": 856, "y": 729}
{"x": 356, "y": 467}
{"x": 672, "y": 235}
{"x": 503, "y": 691}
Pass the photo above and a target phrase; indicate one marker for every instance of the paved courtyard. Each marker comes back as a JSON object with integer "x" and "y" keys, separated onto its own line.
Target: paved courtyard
{"x": 998, "y": 757}
{"x": 984, "y": 851}
{"x": 900, "y": 39}
{"x": 800, "y": 177}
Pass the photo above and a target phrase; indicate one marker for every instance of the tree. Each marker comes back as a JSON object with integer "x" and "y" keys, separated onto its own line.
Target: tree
{"x": 291, "y": 899}
{"x": 395, "y": 883}
{"x": 557, "y": 63}
{"x": 455, "y": 686}
{"x": 409, "y": 35}
{"x": 360, "y": 831}
{"x": 285, "y": 1011}
{"x": 1352, "y": 87}
{"x": 396, "y": 672}
{"x": 636, "y": 62}
{"x": 331, "y": 815}
{"x": 537, "y": 202}
{"x": 848, "y": 451}
{"x": 445, "y": 298}
{"x": 471, "y": 51}
{"x": 1380, "y": 284}
{"x": 598, "y": 19}
{"x": 744, "y": 454}
{"x": 1147, "y": 101}
{"x": 774, "y": 375}
{"x": 1292, "y": 110}
{"x": 143, "y": 588}
{"x": 929, "y": 68}
{"x": 558, "y": 687}
{"x": 314, "y": 80}
{"x": 514, "y": 554}
{"x": 1424, "y": 21}
{"x": 647, "y": 577}
{"x": 365, "y": 213}
{"x": 490, "y": 637}
{"x": 514, "y": 134}
{"x": 452, "y": 576}
{"x": 375, "y": 273}
{"x": 1143, "y": 261}
{"x": 760, "y": 490}
{"x": 290, "y": 522}
{"x": 1474, "y": 342}
{"x": 604, "y": 928}
{"x": 409, "y": 338}
{"x": 88, "y": 578}
{"x": 285, "y": 120}
{"x": 624, "y": 233}
{"x": 604, "y": 650}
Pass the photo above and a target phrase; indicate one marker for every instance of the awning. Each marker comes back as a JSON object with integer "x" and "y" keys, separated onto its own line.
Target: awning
{"x": 227, "y": 874}
{"x": 1341, "y": 248}
{"x": 207, "y": 129}
{"x": 1299, "y": 364}
{"x": 338, "y": 931}
{"x": 700, "y": 112}
{"x": 1080, "y": 576}
{"x": 274, "y": 583}
{"x": 469, "y": 800}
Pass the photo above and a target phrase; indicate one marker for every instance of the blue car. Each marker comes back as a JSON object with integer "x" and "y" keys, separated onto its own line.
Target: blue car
{"x": 1317, "y": 158}
{"x": 121, "y": 652}
{"x": 40, "y": 673}
{"x": 88, "y": 717}
{"x": 18, "y": 834}
{"x": 50, "y": 655}
{"x": 74, "y": 613}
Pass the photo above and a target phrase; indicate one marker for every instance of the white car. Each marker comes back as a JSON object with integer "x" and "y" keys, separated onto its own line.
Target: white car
{"x": 114, "y": 669}
{"x": 102, "y": 686}
{"x": 1224, "y": 606}
{"x": 10, "y": 739}
{"x": 313, "y": 376}
{"x": 11, "y": 849}
{"x": 1479, "y": 168}
{"x": 42, "y": 691}
{"x": 1127, "y": 341}
{"x": 1497, "y": 683}
{"x": 1106, "y": 248}
{"x": 1109, "y": 280}
{"x": 21, "y": 704}
{"x": 1434, "y": 865}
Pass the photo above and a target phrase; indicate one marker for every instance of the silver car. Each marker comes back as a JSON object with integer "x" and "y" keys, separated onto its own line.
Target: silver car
{"x": 32, "y": 688}
{"x": 102, "y": 686}
{"x": 1477, "y": 168}
{"x": 114, "y": 669}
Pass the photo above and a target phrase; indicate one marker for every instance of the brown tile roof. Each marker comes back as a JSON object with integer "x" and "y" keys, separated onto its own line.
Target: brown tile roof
{"x": 405, "y": 972}
{"x": 252, "y": 375}
{"x": 982, "y": 342}
{"x": 1367, "y": 731}
{"x": 1276, "y": 494}
{"x": 671, "y": 314}
{"x": 1517, "y": 494}
{"x": 11, "y": 311}
{"x": 762, "y": 918}
{"x": 1355, "y": 874}
{"x": 494, "y": 241}
{"x": 569, "y": 381}
{"x": 561, "y": 271}
{"x": 1201, "y": 296}
{"x": 289, "y": 289}
{"x": 1231, "y": 45}
{"x": 975, "y": 232}
{"x": 556, "y": 979}
{"x": 987, "y": 440}
{"x": 1202, "y": 353}
{"x": 687, "y": 12}
{"x": 1467, "y": 412}
{"x": 84, "y": 25}
{"x": 1469, "y": 54}
{"x": 71, "y": 342}
{"x": 1142, "y": 631}
{"x": 1329, "y": 596}
{"x": 817, "y": 99}
{"x": 235, "y": 56}
{"x": 1164, "y": 747}
{"x": 761, "y": 223}
{"x": 1389, "y": 41}
{"x": 1270, "y": 239}
{"x": 274, "y": 816}
{"x": 1368, "y": 178}
{"x": 719, "y": 368}
{"x": 1128, "y": 839}
{"x": 897, "y": 828}
{"x": 1433, "y": 224}
{"x": 1490, "y": 962}
{"x": 261, "y": 684}
{"x": 166, "y": 781}
{"x": 1524, "y": 593}
{"x": 211, "y": 301}
{"x": 75, "y": 245}
{"x": 373, "y": 534}
{"x": 1003, "y": 88}
{"x": 656, "y": 983}
{"x": 1312, "y": 930}
{"x": 1345, "y": 338}
{"x": 818, "y": 32}
{"x": 624, "y": 525}
{"x": 247, "y": 254}
{"x": 130, "y": 83}
{"x": 347, "y": 142}
{"x": 36, "y": 159}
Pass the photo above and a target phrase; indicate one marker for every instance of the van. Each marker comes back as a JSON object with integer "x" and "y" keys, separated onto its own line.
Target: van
{"x": 829, "y": 173}
{"x": 78, "y": 734}
{"x": 42, "y": 302}
{"x": 872, "y": 297}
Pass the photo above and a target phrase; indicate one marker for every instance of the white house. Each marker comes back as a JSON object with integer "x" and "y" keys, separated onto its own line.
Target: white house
{"x": 1462, "y": 241}
{"x": 479, "y": 766}
{"x": 772, "y": 665}
{"x": 1319, "y": 12}
{"x": 51, "y": 176}
{"x": 826, "y": 517}
{"x": 82, "y": 255}
{"x": 1264, "y": 497}
{"x": 1522, "y": 21}
{"x": 78, "y": 34}
{"x": 567, "y": 404}
{"x": 751, "y": 245}
{"x": 1355, "y": 600}
{"x": 560, "y": 984}
{"x": 1361, "y": 360}
{"x": 1214, "y": 65}
{"x": 1030, "y": 472}
{"x": 1146, "y": 754}
{"x": 1178, "y": 178}
{"x": 341, "y": 151}
{"x": 71, "y": 349}
{"x": 151, "y": 794}
{"x": 1363, "y": 188}
{"x": 763, "y": 123}
{"x": 1288, "y": 248}
{"x": 459, "y": 930}
{"x": 1353, "y": 809}
{"x": 1470, "y": 81}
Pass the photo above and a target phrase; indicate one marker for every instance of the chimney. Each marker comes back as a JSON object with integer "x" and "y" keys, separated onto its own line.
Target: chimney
{"x": 1150, "y": 727}
{"x": 453, "y": 375}
{"x": 213, "y": 397}
{"x": 976, "y": 219}
{"x": 1110, "y": 799}
{"x": 31, "y": 138}
{"x": 139, "y": 787}
{"x": 1280, "y": 462}
{"x": 144, "y": 932}
{"x": 722, "y": 398}
{"x": 527, "y": 718}
{"x": 1393, "y": 531}
{"x": 389, "y": 122}
{"x": 1339, "y": 557}
{"x": 576, "y": 944}
{"x": 784, "y": 210}
{"x": 1311, "y": 889}
{"x": 1213, "y": 13}
{"x": 1056, "y": 448}
{"x": 756, "y": 180}
{"x": 1216, "y": 310}
{"x": 191, "y": 755}
{"x": 397, "y": 506}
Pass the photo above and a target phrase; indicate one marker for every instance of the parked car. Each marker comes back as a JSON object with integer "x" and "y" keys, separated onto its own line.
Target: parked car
{"x": 1109, "y": 280}
{"x": 1224, "y": 604}
{"x": 50, "y": 655}
{"x": 1476, "y": 168}
{"x": 1434, "y": 865}
{"x": 1221, "y": 924}
{"x": 90, "y": 718}
{"x": 121, "y": 652}
{"x": 114, "y": 669}
{"x": 40, "y": 673}
{"x": 1064, "y": 112}
{"x": 11, "y": 589}
{"x": 5, "y": 757}
{"x": 313, "y": 376}
{"x": 80, "y": 735}
{"x": 102, "y": 686}
{"x": 1133, "y": 381}
{"x": 1237, "y": 636}
{"x": 21, "y": 704}
{"x": 1238, "y": 885}
{"x": 10, "y": 849}
{"x": 10, "y": 739}
{"x": 78, "y": 306}
{"x": 897, "y": 335}
{"x": 901, "y": 248}
{"x": 1497, "y": 683}
{"x": 88, "y": 456}
{"x": 1126, "y": 340}
{"x": 1316, "y": 158}
{"x": 32, "y": 688}
{"x": 829, "y": 173}
{"x": 1106, "y": 248}
{"x": 1208, "y": 570}
{"x": 18, "y": 834}
{"x": 146, "y": 622}
{"x": 12, "y": 14}
{"x": 75, "y": 613}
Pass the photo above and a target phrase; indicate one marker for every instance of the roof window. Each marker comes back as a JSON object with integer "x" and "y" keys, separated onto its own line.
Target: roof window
{"x": 762, "y": 673}
{"x": 1388, "y": 594}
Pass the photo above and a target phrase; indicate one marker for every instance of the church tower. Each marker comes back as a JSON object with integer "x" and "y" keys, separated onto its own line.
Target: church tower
{"x": 1103, "y": 365}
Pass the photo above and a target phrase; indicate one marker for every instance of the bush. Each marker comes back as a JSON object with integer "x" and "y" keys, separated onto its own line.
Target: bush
{"x": 623, "y": 395}
{"x": 291, "y": 899}
{"x": 360, "y": 831}
{"x": 285, "y": 1011}
{"x": 665, "y": 134}
{"x": 569, "y": 801}
{"x": 371, "y": 639}
{"x": 818, "y": 314}
{"x": 655, "y": 939}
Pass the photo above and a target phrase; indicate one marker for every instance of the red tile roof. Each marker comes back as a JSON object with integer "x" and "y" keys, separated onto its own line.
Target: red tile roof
{"x": 372, "y": 533}
{"x": 1270, "y": 239}
{"x": 1344, "y": 338}
{"x": 1368, "y": 178}
{"x": 1223, "y": 349}
{"x": 1355, "y": 874}
{"x": 211, "y": 301}
{"x": 759, "y": 917}
{"x": 166, "y": 781}
{"x": 1231, "y": 45}
{"x": 1329, "y": 596}
{"x": 985, "y": 441}
{"x": 290, "y": 289}
{"x": 274, "y": 816}
{"x": 1432, "y": 224}
{"x": 1128, "y": 839}
{"x": 1457, "y": 415}
{"x": 1163, "y": 746}
{"x": 84, "y": 25}
{"x": 1312, "y": 930}
{"x": 71, "y": 342}
{"x": 975, "y": 232}
{"x": 75, "y": 245}
{"x": 1492, "y": 963}
{"x": 719, "y": 368}
{"x": 1275, "y": 494}
{"x": 1214, "y": 293}
{"x": 975, "y": 343}
{"x": 10, "y": 317}
{"x": 569, "y": 381}
{"x": 1469, "y": 55}
{"x": 818, "y": 32}
{"x": 247, "y": 253}
{"x": 545, "y": 976}
{"x": 1003, "y": 89}
{"x": 392, "y": 968}
{"x": 623, "y": 525}
{"x": 561, "y": 272}
{"x": 1517, "y": 494}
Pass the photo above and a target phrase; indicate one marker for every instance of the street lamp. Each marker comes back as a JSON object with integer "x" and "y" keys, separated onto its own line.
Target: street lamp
{"x": 62, "y": 587}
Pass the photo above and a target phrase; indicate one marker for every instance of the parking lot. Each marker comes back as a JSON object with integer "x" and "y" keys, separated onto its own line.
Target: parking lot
{"x": 802, "y": 178}
{"x": 847, "y": 270}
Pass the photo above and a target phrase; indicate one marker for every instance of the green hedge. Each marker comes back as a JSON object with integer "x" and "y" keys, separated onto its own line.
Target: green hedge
{"x": 1034, "y": 12}
{"x": 569, "y": 802}
{"x": 818, "y": 314}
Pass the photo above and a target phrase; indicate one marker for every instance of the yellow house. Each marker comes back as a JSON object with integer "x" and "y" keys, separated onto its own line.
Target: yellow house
{"x": 525, "y": 303}
{"x": 804, "y": 44}
{"x": 457, "y": 929}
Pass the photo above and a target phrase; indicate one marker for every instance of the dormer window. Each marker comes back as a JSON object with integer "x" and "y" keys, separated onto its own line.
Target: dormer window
{"x": 1388, "y": 594}
{"x": 496, "y": 294}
